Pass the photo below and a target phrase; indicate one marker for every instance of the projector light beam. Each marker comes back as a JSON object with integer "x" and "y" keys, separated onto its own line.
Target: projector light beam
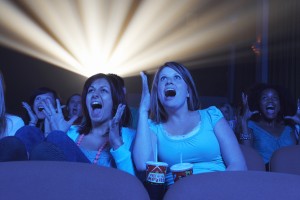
{"x": 122, "y": 36}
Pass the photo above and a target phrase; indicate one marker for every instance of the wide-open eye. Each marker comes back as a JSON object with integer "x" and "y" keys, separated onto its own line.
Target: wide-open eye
{"x": 177, "y": 77}
{"x": 91, "y": 89}
{"x": 104, "y": 90}
{"x": 163, "y": 78}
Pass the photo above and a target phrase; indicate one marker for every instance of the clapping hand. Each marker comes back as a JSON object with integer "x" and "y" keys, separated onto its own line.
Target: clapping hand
{"x": 115, "y": 138}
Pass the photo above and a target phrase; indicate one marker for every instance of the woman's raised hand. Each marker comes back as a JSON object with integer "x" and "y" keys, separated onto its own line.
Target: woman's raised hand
{"x": 145, "y": 99}
{"x": 296, "y": 117}
{"x": 55, "y": 117}
{"x": 115, "y": 137}
{"x": 247, "y": 113}
{"x": 32, "y": 115}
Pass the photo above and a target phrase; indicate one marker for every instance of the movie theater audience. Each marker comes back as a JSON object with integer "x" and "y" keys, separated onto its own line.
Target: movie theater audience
{"x": 267, "y": 123}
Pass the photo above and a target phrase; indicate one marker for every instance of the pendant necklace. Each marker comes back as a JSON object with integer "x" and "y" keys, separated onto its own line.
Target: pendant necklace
{"x": 95, "y": 161}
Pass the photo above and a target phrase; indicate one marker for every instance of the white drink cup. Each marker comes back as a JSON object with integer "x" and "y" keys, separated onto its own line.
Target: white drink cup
{"x": 181, "y": 170}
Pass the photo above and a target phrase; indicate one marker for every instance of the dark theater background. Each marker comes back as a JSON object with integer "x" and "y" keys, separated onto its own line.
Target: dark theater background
{"x": 228, "y": 45}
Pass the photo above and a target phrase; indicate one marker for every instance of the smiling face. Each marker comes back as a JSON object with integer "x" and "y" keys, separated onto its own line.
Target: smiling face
{"x": 99, "y": 101}
{"x": 74, "y": 106}
{"x": 172, "y": 89}
{"x": 37, "y": 104}
{"x": 269, "y": 104}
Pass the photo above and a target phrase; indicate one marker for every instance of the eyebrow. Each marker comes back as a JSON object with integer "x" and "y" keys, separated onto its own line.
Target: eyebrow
{"x": 102, "y": 86}
{"x": 166, "y": 74}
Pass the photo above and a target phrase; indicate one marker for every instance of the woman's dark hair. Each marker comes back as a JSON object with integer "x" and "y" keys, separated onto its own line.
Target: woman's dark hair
{"x": 119, "y": 84}
{"x": 118, "y": 97}
{"x": 117, "y": 80}
{"x": 40, "y": 91}
{"x": 34, "y": 94}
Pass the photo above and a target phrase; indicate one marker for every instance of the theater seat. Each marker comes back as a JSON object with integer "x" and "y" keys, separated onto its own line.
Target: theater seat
{"x": 286, "y": 160}
{"x": 59, "y": 180}
{"x": 236, "y": 185}
{"x": 253, "y": 159}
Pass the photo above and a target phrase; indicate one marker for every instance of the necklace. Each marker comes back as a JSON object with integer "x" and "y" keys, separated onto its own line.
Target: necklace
{"x": 95, "y": 161}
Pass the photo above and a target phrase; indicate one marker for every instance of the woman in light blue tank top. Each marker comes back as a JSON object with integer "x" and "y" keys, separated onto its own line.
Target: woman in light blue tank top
{"x": 177, "y": 128}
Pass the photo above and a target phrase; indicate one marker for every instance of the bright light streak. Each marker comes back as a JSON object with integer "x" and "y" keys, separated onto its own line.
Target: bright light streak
{"x": 121, "y": 36}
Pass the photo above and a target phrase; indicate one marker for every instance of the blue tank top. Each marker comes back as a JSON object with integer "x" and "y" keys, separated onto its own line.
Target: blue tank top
{"x": 199, "y": 147}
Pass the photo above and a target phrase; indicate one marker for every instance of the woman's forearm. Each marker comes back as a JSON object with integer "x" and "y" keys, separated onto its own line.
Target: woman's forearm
{"x": 142, "y": 149}
{"x": 123, "y": 159}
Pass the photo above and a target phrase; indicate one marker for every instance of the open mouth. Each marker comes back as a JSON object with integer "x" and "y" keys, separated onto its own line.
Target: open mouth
{"x": 40, "y": 108}
{"x": 170, "y": 93}
{"x": 96, "y": 105}
{"x": 270, "y": 108}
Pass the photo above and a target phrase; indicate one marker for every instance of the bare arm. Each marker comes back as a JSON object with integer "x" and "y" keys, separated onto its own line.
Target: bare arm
{"x": 230, "y": 150}
{"x": 145, "y": 139}
{"x": 246, "y": 135}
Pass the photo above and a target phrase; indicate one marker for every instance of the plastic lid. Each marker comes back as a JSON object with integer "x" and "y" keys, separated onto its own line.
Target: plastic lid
{"x": 181, "y": 166}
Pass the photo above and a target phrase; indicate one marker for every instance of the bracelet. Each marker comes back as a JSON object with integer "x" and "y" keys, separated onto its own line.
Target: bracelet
{"x": 245, "y": 136}
{"x": 32, "y": 124}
